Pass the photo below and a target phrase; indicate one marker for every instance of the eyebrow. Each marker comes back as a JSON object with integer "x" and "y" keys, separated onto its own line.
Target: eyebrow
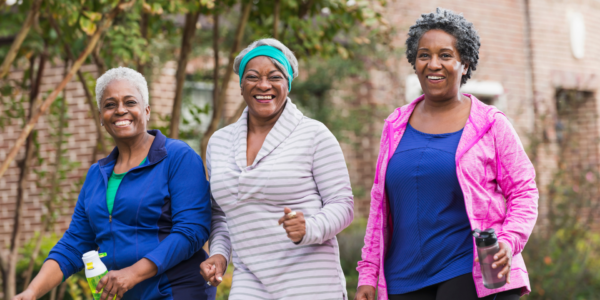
{"x": 272, "y": 71}
{"x": 423, "y": 48}
{"x": 113, "y": 98}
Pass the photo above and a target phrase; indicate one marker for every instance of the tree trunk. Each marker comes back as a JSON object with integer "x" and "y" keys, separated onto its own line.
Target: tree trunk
{"x": 14, "y": 48}
{"x": 76, "y": 65}
{"x": 98, "y": 61}
{"x": 218, "y": 102}
{"x": 276, "y": 8}
{"x": 54, "y": 183}
{"x": 100, "y": 143}
{"x": 25, "y": 166}
{"x": 189, "y": 30}
{"x": 140, "y": 66}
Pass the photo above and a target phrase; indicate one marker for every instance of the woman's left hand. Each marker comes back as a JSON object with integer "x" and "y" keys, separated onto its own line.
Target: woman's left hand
{"x": 502, "y": 259}
{"x": 117, "y": 283}
{"x": 294, "y": 224}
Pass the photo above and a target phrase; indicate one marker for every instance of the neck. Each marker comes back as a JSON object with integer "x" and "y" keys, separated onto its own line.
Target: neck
{"x": 133, "y": 148}
{"x": 263, "y": 125}
{"x": 443, "y": 105}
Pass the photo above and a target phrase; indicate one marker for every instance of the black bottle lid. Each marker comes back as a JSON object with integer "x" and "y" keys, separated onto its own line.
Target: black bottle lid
{"x": 485, "y": 238}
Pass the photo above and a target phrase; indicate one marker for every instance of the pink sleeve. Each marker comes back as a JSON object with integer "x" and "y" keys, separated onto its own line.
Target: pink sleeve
{"x": 368, "y": 268}
{"x": 516, "y": 177}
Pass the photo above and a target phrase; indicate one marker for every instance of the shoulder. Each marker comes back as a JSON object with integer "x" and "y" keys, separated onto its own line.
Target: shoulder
{"x": 178, "y": 150}
{"x": 224, "y": 134}
{"x": 312, "y": 125}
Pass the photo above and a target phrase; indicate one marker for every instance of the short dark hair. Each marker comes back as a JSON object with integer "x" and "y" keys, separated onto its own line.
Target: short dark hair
{"x": 467, "y": 39}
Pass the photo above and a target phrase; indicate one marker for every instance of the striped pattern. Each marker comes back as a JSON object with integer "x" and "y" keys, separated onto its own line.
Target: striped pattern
{"x": 301, "y": 166}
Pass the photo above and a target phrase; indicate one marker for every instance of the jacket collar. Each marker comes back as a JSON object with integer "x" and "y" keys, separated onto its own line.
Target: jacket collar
{"x": 480, "y": 121}
{"x": 157, "y": 152}
{"x": 285, "y": 125}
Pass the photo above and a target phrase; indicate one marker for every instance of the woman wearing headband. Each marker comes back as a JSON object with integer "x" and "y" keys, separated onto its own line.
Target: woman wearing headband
{"x": 447, "y": 164}
{"x": 275, "y": 166}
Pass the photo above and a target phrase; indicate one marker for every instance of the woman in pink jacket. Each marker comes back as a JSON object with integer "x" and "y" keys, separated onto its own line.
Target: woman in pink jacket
{"x": 448, "y": 164}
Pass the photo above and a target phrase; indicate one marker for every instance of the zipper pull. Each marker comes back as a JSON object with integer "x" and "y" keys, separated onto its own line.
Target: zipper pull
{"x": 109, "y": 218}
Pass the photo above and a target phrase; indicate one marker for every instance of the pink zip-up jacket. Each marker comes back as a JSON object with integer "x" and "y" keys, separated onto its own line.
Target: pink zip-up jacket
{"x": 497, "y": 180}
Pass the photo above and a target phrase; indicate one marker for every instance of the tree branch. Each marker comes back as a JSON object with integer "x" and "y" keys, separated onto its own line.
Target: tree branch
{"x": 14, "y": 48}
{"x": 189, "y": 31}
{"x": 76, "y": 65}
{"x": 88, "y": 95}
{"x": 218, "y": 104}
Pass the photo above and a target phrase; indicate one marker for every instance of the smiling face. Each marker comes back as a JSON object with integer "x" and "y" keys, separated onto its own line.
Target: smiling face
{"x": 264, "y": 88}
{"x": 122, "y": 110}
{"x": 438, "y": 65}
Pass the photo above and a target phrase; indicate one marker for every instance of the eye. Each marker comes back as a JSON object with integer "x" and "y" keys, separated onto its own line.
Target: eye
{"x": 276, "y": 77}
{"x": 251, "y": 76}
{"x": 109, "y": 105}
{"x": 446, "y": 55}
{"x": 423, "y": 55}
{"x": 131, "y": 102}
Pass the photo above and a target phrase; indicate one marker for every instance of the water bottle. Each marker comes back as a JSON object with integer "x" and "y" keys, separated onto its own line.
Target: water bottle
{"x": 94, "y": 271}
{"x": 487, "y": 247}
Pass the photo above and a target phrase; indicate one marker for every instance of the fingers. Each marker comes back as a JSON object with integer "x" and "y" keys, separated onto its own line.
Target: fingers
{"x": 286, "y": 211}
{"x": 503, "y": 261}
{"x": 101, "y": 284}
{"x": 477, "y": 259}
{"x": 502, "y": 253}
{"x": 206, "y": 270}
{"x": 107, "y": 292}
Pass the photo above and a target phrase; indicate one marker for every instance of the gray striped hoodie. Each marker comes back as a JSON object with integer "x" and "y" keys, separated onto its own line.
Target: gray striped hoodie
{"x": 301, "y": 166}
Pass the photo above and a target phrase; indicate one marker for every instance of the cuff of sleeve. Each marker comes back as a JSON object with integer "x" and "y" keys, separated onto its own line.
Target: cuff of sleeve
{"x": 367, "y": 280}
{"x": 63, "y": 263}
{"x": 310, "y": 236}
{"x": 159, "y": 266}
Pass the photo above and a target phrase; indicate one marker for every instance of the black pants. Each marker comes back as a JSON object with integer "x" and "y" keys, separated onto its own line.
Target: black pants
{"x": 461, "y": 287}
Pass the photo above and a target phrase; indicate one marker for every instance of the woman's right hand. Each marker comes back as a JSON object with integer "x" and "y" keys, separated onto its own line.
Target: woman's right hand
{"x": 365, "y": 292}
{"x": 25, "y": 295}
{"x": 213, "y": 269}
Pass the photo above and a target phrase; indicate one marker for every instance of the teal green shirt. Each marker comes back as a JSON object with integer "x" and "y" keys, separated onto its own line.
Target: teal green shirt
{"x": 113, "y": 185}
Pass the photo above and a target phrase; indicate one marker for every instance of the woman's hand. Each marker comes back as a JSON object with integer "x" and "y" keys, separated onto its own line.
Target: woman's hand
{"x": 294, "y": 224}
{"x": 119, "y": 282}
{"x": 502, "y": 259}
{"x": 365, "y": 292}
{"x": 213, "y": 268}
{"x": 25, "y": 295}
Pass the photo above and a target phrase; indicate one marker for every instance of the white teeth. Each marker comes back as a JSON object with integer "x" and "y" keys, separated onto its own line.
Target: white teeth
{"x": 435, "y": 77}
{"x": 122, "y": 123}
{"x": 264, "y": 97}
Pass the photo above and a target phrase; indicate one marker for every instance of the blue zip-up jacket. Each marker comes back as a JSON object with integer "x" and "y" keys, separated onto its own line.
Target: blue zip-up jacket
{"x": 161, "y": 212}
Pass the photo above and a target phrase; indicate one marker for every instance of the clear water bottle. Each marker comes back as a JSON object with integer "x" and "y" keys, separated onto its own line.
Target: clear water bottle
{"x": 487, "y": 247}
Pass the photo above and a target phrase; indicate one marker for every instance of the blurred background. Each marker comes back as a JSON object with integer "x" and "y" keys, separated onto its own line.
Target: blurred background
{"x": 539, "y": 64}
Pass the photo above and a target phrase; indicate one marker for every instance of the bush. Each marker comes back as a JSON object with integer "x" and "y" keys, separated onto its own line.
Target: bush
{"x": 351, "y": 241}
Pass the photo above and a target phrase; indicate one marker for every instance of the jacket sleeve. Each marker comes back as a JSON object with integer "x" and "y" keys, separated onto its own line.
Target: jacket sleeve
{"x": 77, "y": 240}
{"x": 190, "y": 210}
{"x": 220, "y": 242}
{"x": 368, "y": 267}
{"x": 333, "y": 183}
{"x": 516, "y": 176}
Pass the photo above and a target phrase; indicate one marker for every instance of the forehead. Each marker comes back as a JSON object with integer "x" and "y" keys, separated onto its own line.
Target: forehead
{"x": 120, "y": 88}
{"x": 261, "y": 64}
{"x": 437, "y": 38}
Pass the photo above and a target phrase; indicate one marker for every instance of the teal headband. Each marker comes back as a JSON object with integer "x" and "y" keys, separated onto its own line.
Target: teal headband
{"x": 271, "y": 52}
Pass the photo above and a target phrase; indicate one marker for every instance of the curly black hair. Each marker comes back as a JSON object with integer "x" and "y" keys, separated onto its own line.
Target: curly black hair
{"x": 467, "y": 39}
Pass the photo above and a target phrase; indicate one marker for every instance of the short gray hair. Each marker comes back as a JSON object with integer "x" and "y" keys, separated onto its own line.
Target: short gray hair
{"x": 273, "y": 43}
{"x": 467, "y": 39}
{"x": 122, "y": 73}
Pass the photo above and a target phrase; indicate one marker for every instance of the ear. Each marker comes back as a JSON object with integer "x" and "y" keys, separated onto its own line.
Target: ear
{"x": 466, "y": 69}
{"x": 148, "y": 113}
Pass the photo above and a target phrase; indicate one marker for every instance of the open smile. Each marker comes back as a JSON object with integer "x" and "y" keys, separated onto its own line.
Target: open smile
{"x": 122, "y": 123}
{"x": 435, "y": 78}
{"x": 264, "y": 98}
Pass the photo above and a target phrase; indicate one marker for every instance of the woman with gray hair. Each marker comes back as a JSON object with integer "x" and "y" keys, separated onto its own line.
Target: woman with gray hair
{"x": 137, "y": 207}
{"x": 448, "y": 164}
{"x": 276, "y": 166}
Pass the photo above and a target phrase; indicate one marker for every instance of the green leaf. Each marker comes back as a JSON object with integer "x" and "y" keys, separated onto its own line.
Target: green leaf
{"x": 93, "y": 16}
{"x": 87, "y": 26}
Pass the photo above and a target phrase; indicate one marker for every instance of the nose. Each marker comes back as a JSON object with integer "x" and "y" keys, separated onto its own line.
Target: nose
{"x": 121, "y": 109}
{"x": 435, "y": 63}
{"x": 264, "y": 84}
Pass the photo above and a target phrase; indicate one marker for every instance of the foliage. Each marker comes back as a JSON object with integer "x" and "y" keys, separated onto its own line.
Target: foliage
{"x": 350, "y": 241}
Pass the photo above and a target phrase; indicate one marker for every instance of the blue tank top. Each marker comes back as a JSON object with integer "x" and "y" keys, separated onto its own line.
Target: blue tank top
{"x": 431, "y": 241}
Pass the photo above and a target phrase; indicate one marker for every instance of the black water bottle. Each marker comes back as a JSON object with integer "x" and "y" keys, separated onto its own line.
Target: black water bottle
{"x": 487, "y": 247}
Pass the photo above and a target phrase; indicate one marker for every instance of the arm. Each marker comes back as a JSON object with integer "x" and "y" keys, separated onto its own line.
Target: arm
{"x": 333, "y": 183}
{"x": 49, "y": 277}
{"x": 220, "y": 242}
{"x": 368, "y": 268}
{"x": 190, "y": 210}
{"x": 516, "y": 177}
